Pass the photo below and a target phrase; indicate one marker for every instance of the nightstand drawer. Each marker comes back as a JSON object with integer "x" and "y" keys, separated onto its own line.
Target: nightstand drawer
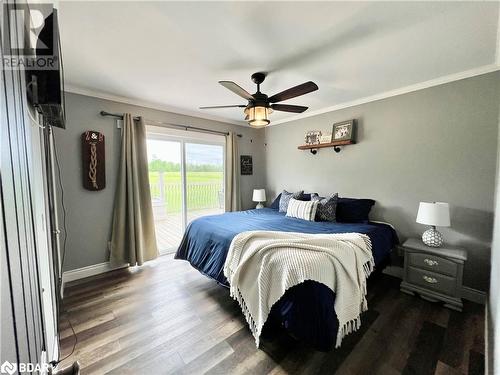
{"x": 433, "y": 281}
{"x": 433, "y": 263}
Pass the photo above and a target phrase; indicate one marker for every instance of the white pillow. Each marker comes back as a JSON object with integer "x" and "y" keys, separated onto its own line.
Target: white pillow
{"x": 305, "y": 210}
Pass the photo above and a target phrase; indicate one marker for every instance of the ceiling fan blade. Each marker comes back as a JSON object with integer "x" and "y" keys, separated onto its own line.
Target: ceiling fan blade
{"x": 293, "y": 92}
{"x": 288, "y": 108}
{"x": 224, "y": 106}
{"x": 237, "y": 89}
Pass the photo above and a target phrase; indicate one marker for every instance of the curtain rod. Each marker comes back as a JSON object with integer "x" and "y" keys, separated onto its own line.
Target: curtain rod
{"x": 168, "y": 124}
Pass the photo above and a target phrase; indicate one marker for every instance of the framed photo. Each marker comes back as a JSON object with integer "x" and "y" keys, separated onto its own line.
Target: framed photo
{"x": 313, "y": 137}
{"x": 325, "y": 138}
{"x": 344, "y": 131}
{"x": 246, "y": 165}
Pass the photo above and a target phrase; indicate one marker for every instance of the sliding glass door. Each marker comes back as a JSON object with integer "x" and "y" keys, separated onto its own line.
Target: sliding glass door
{"x": 204, "y": 180}
{"x": 186, "y": 176}
{"x": 165, "y": 182}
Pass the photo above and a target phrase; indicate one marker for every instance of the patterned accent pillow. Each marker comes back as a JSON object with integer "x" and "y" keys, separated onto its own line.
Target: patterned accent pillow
{"x": 305, "y": 210}
{"x": 327, "y": 207}
{"x": 286, "y": 196}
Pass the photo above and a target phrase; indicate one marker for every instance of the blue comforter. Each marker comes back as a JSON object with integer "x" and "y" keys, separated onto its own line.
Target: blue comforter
{"x": 306, "y": 310}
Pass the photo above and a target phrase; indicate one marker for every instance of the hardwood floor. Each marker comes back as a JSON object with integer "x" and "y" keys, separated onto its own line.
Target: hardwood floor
{"x": 166, "y": 318}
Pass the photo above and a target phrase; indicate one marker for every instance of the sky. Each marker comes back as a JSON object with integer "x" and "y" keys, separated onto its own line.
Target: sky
{"x": 195, "y": 153}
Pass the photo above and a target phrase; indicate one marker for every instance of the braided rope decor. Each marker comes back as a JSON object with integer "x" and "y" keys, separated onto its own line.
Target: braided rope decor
{"x": 93, "y": 160}
{"x": 93, "y": 165}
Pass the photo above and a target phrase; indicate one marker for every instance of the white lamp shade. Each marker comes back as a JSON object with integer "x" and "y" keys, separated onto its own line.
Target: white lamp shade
{"x": 259, "y": 195}
{"x": 437, "y": 214}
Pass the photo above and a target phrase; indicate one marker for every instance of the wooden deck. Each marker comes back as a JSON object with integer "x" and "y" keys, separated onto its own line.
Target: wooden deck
{"x": 169, "y": 228}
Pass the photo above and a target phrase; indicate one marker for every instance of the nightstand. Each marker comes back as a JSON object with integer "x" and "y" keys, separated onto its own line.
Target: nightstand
{"x": 434, "y": 273}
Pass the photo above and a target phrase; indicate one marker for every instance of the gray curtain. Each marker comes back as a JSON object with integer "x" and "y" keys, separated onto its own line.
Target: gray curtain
{"x": 133, "y": 237}
{"x": 232, "y": 187}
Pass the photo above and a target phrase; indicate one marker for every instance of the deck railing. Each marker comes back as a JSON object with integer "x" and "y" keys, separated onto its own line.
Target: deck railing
{"x": 199, "y": 195}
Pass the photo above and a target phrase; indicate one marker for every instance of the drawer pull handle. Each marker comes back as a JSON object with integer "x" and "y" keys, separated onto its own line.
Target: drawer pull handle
{"x": 431, "y": 262}
{"x": 430, "y": 280}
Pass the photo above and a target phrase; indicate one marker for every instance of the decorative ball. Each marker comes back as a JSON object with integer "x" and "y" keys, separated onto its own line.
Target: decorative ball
{"x": 431, "y": 237}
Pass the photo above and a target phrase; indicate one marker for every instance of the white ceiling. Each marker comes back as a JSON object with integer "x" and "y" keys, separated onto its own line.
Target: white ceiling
{"x": 171, "y": 55}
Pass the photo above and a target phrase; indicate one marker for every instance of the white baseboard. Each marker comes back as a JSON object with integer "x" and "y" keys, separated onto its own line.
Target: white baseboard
{"x": 470, "y": 294}
{"x": 81, "y": 273}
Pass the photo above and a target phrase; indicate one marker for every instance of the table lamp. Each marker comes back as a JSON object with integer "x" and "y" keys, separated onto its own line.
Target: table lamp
{"x": 259, "y": 195}
{"x": 436, "y": 214}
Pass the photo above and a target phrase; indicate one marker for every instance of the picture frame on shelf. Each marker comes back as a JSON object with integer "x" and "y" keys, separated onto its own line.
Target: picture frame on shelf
{"x": 313, "y": 137}
{"x": 344, "y": 131}
{"x": 325, "y": 138}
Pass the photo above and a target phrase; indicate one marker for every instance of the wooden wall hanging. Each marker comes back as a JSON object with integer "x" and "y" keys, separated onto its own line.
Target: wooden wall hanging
{"x": 94, "y": 167}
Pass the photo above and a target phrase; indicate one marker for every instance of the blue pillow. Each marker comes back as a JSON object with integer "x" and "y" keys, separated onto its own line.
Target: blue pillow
{"x": 352, "y": 210}
{"x": 276, "y": 203}
{"x": 307, "y": 196}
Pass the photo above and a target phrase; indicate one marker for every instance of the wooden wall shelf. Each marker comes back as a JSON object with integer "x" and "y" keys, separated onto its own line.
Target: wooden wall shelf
{"x": 335, "y": 145}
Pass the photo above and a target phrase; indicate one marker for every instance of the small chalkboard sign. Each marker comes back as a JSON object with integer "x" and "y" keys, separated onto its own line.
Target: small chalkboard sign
{"x": 246, "y": 164}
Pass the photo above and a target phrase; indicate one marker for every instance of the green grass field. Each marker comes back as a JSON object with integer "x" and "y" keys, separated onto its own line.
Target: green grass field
{"x": 204, "y": 189}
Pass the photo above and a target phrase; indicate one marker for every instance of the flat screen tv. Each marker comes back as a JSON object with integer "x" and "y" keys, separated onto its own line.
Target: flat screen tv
{"x": 46, "y": 83}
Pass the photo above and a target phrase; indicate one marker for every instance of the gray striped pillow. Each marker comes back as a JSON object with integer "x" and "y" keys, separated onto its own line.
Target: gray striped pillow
{"x": 305, "y": 210}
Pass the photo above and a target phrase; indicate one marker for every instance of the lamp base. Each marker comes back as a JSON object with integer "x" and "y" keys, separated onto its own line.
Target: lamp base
{"x": 433, "y": 238}
{"x": 259, "y": 206}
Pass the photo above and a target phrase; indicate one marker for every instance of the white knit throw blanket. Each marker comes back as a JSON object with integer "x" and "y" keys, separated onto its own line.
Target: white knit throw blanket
{"x": 262, "y": 265}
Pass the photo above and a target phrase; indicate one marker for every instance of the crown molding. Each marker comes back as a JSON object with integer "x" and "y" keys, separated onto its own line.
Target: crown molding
{"x": 140, "y": 103}
{"x": 400, "y": 91}
{"x": 384, "y": 95}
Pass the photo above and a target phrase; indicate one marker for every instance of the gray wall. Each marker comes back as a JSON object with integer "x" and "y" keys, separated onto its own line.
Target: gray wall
{"x": 89, "y": 213}
{"x": 437, "y": 144}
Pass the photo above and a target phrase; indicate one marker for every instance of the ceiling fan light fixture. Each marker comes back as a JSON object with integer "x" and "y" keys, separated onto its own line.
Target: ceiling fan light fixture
{"x": 259, "y": 123}
{"x": 259, "y": 106}
{"x": 258, "y": 116}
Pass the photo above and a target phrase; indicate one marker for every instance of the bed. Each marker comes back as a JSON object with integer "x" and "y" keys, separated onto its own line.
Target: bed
{"x": 306, "y": 310}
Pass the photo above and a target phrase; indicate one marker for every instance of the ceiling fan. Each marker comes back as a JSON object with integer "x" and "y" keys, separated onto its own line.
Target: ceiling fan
{"x": 260, "y": 105}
